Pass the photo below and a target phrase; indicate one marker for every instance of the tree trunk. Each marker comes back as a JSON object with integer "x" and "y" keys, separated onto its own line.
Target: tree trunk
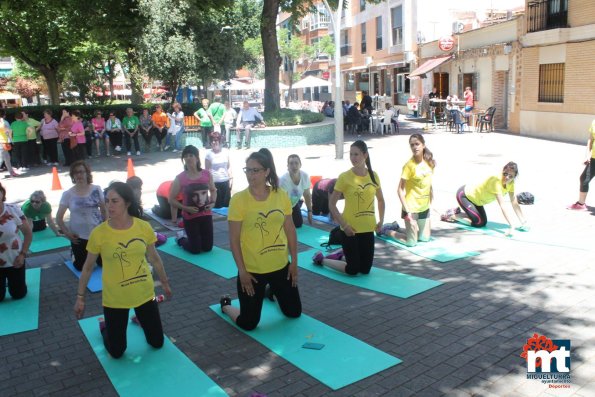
{"x": 290, "y": 74}
{"x": 136, "y": 77}
{"x": 272, "y": 59}
{"x": 51, "y": 79}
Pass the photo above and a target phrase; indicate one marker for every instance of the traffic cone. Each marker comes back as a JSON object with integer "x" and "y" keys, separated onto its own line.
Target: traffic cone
{"x": 130, "y": 168}
{"x": 56, "y": 185}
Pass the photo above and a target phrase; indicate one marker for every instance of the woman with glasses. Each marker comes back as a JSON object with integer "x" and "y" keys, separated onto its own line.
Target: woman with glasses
{"x": 199, "y": 193}
{"x": 39, "y": 213}
{"x": 262, "y": 236}
{"x": 360, "y": 186}
{"x": 87, "y": 210}
{"x": 472, "y": 199}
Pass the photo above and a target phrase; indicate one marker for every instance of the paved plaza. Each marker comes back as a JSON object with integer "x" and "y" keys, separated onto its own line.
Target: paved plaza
{"x": 462, "y": 338}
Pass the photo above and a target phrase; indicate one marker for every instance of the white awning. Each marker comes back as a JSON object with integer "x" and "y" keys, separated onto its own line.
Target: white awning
{"x": 311, "y": 81}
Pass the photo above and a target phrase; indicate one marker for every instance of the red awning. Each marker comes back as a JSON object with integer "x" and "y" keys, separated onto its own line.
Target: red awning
{"x": 427, "y": 66}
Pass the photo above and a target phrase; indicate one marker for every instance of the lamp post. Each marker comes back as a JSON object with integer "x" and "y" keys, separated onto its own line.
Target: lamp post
{"x": 336, "y": 24}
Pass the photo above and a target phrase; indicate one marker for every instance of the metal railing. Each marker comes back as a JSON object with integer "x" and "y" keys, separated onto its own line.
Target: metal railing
{"x": 547, "y": 14}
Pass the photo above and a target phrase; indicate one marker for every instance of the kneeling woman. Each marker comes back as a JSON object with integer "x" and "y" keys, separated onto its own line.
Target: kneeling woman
{"x": 123, "y": 241}
{"x": 261, "y": 232}
{"x": 39, "y": 213}
{"x": 360, "y": 186}
{"x": 472, "y": 198}
{"x": 199, "y": 193}
{"x": 415, "y": 193}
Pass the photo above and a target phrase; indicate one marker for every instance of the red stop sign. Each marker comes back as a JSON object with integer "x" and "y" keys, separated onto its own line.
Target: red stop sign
{"x": 446, "y": 43}
{"x": 326, "y": 75}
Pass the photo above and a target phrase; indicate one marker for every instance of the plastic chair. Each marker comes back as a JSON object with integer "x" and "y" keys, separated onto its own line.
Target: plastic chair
{"x": 487, "y": 119}
{"x": 458, "y": 120}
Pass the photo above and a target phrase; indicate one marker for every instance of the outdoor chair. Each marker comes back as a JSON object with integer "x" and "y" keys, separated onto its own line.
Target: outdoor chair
{"x": 487, "y": 119}
{"x": 458, "y": 120}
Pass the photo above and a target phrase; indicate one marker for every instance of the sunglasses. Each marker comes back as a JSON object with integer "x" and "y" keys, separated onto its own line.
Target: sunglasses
{"x": 252, "y": 170}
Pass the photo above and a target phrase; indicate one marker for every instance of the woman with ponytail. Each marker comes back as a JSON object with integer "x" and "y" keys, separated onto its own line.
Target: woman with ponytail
{"x": 415, "y": 193}
{"x": 359, "y": 186}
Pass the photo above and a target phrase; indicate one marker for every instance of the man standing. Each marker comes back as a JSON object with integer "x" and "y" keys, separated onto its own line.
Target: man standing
{"x": 206, "y": 122}
{"x": 367, "y": 102}
{"x": 246, "y": 119}
{"x": 468, "y": 95}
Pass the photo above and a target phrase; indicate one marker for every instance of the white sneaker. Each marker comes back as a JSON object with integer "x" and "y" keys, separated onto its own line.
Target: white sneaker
{"x": 180, "y": 234}
{"x": 128, "y": 154}
{"x": 138, "y": 152}
{"x": 118, "y": 149}
{"x": 175, "y": 151}
{"x": 166, "y": 147}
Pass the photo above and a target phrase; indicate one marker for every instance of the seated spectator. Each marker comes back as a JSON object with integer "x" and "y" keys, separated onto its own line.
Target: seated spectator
{"x": 39, "y": 213}
{"x": 247, "y": 118}
{"x": 159, "y": 120}
{"x": 354, "y": 117}
{"x": 329, "y": 111}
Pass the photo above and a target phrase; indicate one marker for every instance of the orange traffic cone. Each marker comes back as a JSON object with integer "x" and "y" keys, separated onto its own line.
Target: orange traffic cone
{"x": 130, "y": 168}
{"x": 56, "y": 185}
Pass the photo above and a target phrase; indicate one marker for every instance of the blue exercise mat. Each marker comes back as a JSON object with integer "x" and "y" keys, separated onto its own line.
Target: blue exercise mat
{"x": 145, "y": 371}
{"x": 342, "y": 361}
{"x": 435, "y": 249}
{"x": 22, "y": 314}
{"x": 220, "y": 211}
{"x": 319, "y": 218}
{"x": 95, "y": 283}
{"x": 380, "y": 280}
{"x": 218, "y": 261}
{"x": 46, "y": 240}
{"x": 312, "y": 236}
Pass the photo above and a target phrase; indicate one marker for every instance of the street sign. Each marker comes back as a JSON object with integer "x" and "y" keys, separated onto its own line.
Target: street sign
{"x": 446, "y": 43}
{"x": 326, "y": 75}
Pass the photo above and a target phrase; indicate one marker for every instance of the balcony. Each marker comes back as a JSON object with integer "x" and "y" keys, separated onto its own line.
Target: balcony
{"x": 345, "y": 50}
{"x": 547, "y": 14}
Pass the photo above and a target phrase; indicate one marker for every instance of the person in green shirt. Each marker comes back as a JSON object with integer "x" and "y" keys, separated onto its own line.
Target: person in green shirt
{"x": 206, "y": 122}
{"x": 131, "y": 125}
{"x": 32, "y": 149}
{"x": 19, "y": 141}
{"x": 217, "y": 112}
{"x": 39, "y": 213}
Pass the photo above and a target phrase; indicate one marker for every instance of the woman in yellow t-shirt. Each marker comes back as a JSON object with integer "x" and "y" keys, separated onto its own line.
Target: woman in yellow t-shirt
{"x": 588, "y": 173}
{"x": 124, "y": 241}
{"x": 472, "y": 198}
{"x": 359, "y": 186}
{"x": 416, "y": 194}
{"x": 261, "y": 235}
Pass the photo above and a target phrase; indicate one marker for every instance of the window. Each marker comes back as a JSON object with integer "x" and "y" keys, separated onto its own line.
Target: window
{"x": 362, "y": 5}
{"x": 305, "y": 23}
{"x": 363, "y": 82}
{"x": 551, "y": 83}
{"x": 469, "y": 80}
{"x": 396, "y": 19}
{"x": 402, "y": 83}
{"x": 345, "y": 47}
{"x": 320, "y": 19}
{"x": 349, "y": 81}
{"x": 363, "y": 26}
{"x": 378, "y": 33}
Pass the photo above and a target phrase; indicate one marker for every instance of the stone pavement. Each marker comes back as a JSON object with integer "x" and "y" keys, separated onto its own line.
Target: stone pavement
{"x": 462, "y": 338}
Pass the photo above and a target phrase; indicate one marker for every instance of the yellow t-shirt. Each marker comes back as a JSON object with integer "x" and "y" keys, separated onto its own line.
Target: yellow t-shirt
{"x": 592, "y": 131}
{"x": 418, "y": 184}
{"x": 262, "y": 237}
{"x": 127, "y": 279}
{"x": 359, "y": 193}
{"x": 486, "y": 192}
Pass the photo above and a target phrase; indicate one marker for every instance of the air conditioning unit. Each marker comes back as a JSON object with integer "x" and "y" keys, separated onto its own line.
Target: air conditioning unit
{"x": 457, "y": 27}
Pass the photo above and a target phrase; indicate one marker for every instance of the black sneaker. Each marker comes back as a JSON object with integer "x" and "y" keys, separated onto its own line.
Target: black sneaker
{"x": 268, "y": 292}
{"x": 225, "y": 301}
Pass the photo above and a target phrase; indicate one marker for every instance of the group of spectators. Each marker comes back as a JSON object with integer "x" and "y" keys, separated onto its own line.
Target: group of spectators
{"x": 27, "y": 142}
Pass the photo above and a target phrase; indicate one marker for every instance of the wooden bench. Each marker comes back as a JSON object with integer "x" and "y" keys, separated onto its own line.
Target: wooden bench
{"x": 191, "y": 123}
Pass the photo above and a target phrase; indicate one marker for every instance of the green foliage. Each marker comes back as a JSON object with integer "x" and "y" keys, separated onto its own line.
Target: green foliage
{"x": 285, "y": 117}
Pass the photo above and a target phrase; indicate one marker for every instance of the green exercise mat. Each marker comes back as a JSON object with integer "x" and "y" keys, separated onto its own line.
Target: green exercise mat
{"x": 312, "y": 236}
{"x": 532, "y": 235}
{"x": 218, "y": 261}
{"x": 46, "y": 240}
{"x": 342, "y": 361}
{"x": 23, "y": 314}
{"x": 145, "y": 371}
{"x": 380, "y": 280}
{"x": 436, "y": 250}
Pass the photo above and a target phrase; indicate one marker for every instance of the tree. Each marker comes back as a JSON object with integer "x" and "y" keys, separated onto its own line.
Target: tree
{"x": 291, "y": 47}
{"x": 254, "y": 63}
{"x": 43, "y": 35}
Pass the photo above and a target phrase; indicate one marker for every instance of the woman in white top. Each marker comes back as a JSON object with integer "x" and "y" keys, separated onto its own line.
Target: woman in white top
{"x": 218, "y": 164}
{"x": 87, "y": 210}
{"x": 297, "y": 185}
{"x": 229, "y": 118}
{"x": 178, "y": 119}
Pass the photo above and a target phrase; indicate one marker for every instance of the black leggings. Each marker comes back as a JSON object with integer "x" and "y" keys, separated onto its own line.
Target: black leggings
{"x": 587, "y": 175}
{"x": 50, "y": 150}
{"x": 359, "y": 252}
{"x": 251, "y": 306}
{"x": 476, "y": 213}
{"x": 80, "y": 254}
{"x": 162, "y": 209}
{"x": 223, "y": 194}
{"x": 200, "y": 234}
{"x": 296, "y": 214}
{"x": 17, "y": 287}
{"x": 116, "y": 322}
{"x": 128, "y": 138}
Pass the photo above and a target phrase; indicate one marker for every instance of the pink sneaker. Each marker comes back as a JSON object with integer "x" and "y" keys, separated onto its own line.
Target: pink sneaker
{"x": 318, "y": 258}
{"x": 577, "y": 206}
{"x": 337, "y": 255}
{"x": 101, "y": 321}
